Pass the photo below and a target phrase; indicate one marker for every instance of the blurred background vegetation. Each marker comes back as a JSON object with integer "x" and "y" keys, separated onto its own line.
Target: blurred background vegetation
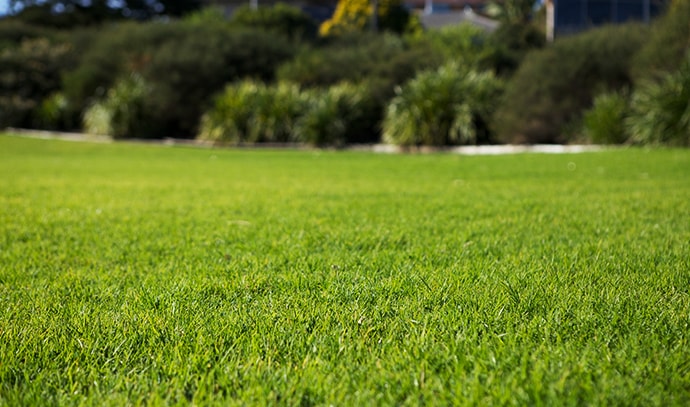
{"x": 187, "y": 69}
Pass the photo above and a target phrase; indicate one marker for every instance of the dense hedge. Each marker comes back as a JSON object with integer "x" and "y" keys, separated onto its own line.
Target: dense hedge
{"x": 29, "y": 73}
{"x": 624, "y": 83}
{"x": 555, "y": 85}
{"x": 668, "y": 45}
{"x": 183, "y": 64}
{"x": 281, "y": 19}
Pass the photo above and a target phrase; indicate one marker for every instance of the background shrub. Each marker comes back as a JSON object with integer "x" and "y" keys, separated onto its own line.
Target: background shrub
{"x": 465, "y": 43}
{"x": 604, "y": 123}
{"x": 281, "y": 19}
{"x": 185, "y": 74}
{"x": 29, "y": 72}
{"x": 183, "y": 64}
{"x": 333, "y": 115}
{"x": 115, "y": 51}
{"x": 377, "y": 62}
{"x": 554, "y": 86}
{"x": 351, "y": 58}
{"x": 510, "y": 43}
{"x": 252, "y": 112}
{"x": 55, "y": 113}
{"x": 660, "y": 111}
{"x": 668, "y": 44}
{"x": 121, "y": 114}
{"x": 448, "y": 106}
{"x": 13, "y": 33}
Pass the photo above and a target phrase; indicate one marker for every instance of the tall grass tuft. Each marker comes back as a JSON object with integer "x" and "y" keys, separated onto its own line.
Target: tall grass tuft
{"x": 122, "y": 113}
{"x": 441, "y": 107}
{"x": 661, "y": 110}
{"x": 604, "y": 123}
{"x": 253, "y": 112}
{"x": 333, "y": 114}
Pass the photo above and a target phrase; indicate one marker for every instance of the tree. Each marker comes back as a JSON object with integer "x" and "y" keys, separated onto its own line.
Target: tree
{"x": 512, "y": 11}
{"x": 356, "y": 15}
{"x": 517, "y": 34}
{"x": 71, "y": 13}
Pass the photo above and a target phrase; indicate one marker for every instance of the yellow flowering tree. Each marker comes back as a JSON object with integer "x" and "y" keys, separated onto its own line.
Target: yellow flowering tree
{"x": 355, "y": 15}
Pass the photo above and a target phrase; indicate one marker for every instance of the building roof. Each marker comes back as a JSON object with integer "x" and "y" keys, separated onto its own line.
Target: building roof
{"x": 438, "y": 20}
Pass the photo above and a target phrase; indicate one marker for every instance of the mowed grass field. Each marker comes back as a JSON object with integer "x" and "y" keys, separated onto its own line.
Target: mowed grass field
{"x": 150, "y": 275}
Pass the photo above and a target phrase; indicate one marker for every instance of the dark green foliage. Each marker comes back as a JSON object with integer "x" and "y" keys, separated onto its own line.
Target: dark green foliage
{"x": 122, "y": 113}
{"x": 509, "y": 45}
{"x": 463, "y": 43}
{"x": 604, "y": 123}
{"x": 668, "y": 44}
{"x": 660, "y": 111}
{"x": 116, "y": 51}
{"x": 185, "y": 74}
{"x": 184, "y": 65}
{"x": 66, "y": 14}
{"x": 280, "y": 19}
{"x": 555, "y": 85}
{"x": 55, "y": 113}
{"x": 29, "y": 72}
{"x": 352, "y": 57}
{"x": 13, "y": 32}
{"x": 381, "y": 62}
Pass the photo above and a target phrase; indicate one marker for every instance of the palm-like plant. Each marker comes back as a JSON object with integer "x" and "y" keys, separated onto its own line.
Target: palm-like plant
{"x": 511, "y": 11}
{"x": 660, "y": 111}
{"x": 441, "y": 107}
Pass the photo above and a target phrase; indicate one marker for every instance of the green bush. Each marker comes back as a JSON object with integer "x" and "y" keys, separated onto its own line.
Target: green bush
{"x": 660, "y": 111}
{"x": 13, "y": 33}
{"x": 378, "y": 62}
{"x": 668, "y": 44}
{"x": 184, "y": 65}
{"x": 29, "y": 72}
{"x": 333, "y": 115}
{"x": 114, "y": 52}
{"x": 54, "y": 113}
{"x": 186, "y": 74}
{"x": 350, "y": 58}
{"x": 98, "y": 120}
{"x": 464, "y": 43}
{"x": 121, "y": 114}
{"x": 509, "y": 44}
{"x": 604, "y": 123}
{"x": 253, "y": 112}
{"x": 554, "y": 86}
{"x": 442, "y": 107}
{"x": 280, "y": 18}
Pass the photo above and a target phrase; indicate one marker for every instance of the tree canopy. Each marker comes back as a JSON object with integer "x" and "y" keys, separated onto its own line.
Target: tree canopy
{"x": 70, "y": 13}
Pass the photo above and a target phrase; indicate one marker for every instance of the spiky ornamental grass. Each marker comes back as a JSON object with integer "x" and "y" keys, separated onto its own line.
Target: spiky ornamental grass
{"x": 660, "y": 111}
{"x": 441, "y": 107}
{"x": 135, "y": 274}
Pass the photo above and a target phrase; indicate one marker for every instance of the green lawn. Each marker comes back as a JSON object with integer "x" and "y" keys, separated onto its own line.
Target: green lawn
{"x": 138, "y": 274}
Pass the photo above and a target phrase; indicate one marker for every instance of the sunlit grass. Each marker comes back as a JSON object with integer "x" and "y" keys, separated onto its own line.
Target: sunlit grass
{"x": 152, "y": 275}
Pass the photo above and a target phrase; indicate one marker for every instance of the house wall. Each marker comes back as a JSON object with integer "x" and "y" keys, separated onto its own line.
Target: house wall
{"x": 572, "y": 16}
